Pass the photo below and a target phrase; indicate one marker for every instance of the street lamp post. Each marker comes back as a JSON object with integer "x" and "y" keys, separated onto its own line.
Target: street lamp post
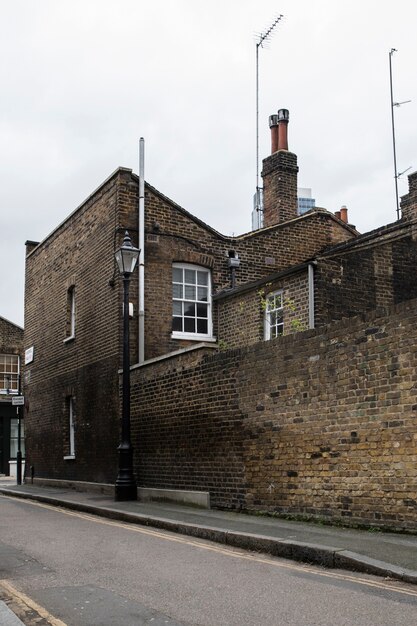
{"x": 125, "y": 487}
{"x": 19, "y": 440}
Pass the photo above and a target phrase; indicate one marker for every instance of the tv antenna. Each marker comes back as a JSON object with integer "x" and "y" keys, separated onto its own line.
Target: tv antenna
{"x": 262, "y": 38}
{"x": 395, "y": 104}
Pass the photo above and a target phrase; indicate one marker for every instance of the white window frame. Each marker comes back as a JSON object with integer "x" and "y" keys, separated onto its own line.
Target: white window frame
{"x": 71, "y": 426}
{"x": 12, "y": 375}
{"x": 268, "y": 310}
{"x": 71, "y": 313}
{"x": 195, "y": 336}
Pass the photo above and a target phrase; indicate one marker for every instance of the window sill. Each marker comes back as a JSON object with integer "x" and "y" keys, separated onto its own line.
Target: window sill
{"x": 193, "y": 337}
{"x": 69, "y": 457}
{"x": 69, "y": 339}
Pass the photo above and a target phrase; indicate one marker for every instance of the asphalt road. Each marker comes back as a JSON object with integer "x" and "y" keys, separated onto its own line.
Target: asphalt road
{"x": 89, "y": 571}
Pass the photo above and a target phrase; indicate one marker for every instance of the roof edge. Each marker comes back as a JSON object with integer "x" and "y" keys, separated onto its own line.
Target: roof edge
{"x": 225, "y": 293}
{"x": 12, "y": 323}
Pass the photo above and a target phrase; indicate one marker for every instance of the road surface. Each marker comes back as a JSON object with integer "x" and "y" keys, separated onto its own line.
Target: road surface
{"x": 80, "y": 570}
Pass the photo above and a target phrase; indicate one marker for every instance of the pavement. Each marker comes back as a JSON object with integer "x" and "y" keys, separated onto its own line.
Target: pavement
{"x": 387, "y": 554}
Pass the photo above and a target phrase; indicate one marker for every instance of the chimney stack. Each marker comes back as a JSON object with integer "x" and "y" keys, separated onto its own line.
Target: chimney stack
{"x": 279, "y": 174}
{"x": 409, "y": 201}
{"x": 344, "y": 214}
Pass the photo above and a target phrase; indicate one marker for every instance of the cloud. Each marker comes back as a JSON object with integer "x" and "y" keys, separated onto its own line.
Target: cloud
{"x": 82, "y": 81}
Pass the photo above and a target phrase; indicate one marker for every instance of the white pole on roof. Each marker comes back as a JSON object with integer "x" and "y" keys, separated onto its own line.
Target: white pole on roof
{"x": 141, "y": 334}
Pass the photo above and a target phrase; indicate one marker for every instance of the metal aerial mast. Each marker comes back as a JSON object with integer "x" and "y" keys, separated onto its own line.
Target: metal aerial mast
{"x": 395, "y": 104}
{"x": 262, "y": 38}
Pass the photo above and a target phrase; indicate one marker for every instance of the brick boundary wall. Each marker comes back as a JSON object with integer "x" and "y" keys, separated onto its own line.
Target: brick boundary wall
{"x": 320, "y": 424}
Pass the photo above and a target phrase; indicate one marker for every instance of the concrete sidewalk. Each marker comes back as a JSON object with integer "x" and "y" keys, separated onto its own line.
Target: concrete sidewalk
{"x": 384, "y": 554}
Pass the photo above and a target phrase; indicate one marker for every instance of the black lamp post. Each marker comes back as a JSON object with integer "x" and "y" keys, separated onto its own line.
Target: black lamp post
{"x": 19, "y": 440}
{"x": 125, "y": 487}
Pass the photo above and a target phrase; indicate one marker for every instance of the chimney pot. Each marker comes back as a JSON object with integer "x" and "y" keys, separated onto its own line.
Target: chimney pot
{"x": 337, "y": 214}
{"x": 273, "y": 125}
{"x": 283, "y": 118}
{"x": 344, "y": 214}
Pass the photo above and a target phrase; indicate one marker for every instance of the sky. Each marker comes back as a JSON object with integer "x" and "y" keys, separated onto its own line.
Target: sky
{"x": 83, "y": 80}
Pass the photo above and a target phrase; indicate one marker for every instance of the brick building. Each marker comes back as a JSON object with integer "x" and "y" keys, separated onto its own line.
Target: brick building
{"x": 204, "y": 293}
{"x": 11, "y": 347}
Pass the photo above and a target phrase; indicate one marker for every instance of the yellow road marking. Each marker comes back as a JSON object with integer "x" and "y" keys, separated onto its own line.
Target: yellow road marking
{"x": 20, "y": 598}
{"x": 227, "y": 551}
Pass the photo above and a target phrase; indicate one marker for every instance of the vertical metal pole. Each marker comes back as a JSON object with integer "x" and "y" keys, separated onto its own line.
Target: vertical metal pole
{"x": 393, "y": 134}
{"x": 257, "y": 127}
{"x": 141, "y": 245}
{"x": 125, "y": 487}
{"x": 311, "y": 320}
{"x": 19, "y": 437}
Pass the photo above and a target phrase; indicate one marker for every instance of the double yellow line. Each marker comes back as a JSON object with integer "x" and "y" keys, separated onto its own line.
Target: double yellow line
{"x": 24, "y": 602}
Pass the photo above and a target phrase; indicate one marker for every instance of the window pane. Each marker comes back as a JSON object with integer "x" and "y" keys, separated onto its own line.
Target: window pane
{"x": 277, "y": 330}
{"x": 202, "y": 293}
{"x": 189, "y": 309}
{"x": 189, "y": 324}
{"x": 177, "y": 308}
{"x": 13, "y": 448}
{"x": 177, "y": 324}
{"x": 202, "y": 278}
{"x": 177, "y": 274}
{"x": 191, "y": 300}
{"x": 190, "y": 276}
{"x": 177, "y": 291}
{"x": 202, "y": 310}
{"x": 189, "y": 293}
{"x": 202, "y": 326}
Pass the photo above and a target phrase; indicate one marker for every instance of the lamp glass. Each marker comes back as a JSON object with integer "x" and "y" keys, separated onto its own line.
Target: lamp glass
{"x": 126, "y": 256}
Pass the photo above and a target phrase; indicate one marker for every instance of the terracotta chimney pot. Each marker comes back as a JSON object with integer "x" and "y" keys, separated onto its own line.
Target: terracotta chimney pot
{"x": 283, "y": 118}
{"x": 273, "y": 125}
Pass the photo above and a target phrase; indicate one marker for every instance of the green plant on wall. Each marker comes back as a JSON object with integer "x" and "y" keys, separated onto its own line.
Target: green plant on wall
{"x": 296, "y": 324}
{"x": 289, "y": 307}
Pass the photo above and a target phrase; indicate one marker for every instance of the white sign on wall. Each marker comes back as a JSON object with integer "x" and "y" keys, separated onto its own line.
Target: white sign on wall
{"x": 29, "y": 355}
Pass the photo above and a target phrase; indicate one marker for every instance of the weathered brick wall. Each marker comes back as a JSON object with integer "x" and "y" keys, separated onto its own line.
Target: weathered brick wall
{"x": 279, "y": 175}
{"x": 241, "y": 316}
{"x": 365, "y": 275}
{"x": 81, "y": 253}
{"x": 173, "y": 235}
{"x": 11, "y": 342}
{"x": 11, "y": 337}
{"x": 321, "y": 423}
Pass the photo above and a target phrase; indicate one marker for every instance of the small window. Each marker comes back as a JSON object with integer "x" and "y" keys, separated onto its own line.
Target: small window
{"x": 191, "y": 308}
{"x": 9, "y": 373}
{"x": 274, "y": 315}
{"x": 71, "y": 429}
{"x": 14, "y": 437}
{"x": 70, "y": 328}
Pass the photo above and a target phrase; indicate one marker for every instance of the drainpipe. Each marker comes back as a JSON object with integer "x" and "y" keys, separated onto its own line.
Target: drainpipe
{"x": 311, "y": 293}
{"x": 141, "y": 335}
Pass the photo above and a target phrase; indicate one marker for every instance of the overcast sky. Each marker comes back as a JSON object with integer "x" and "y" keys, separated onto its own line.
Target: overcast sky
{"x": 82, "y": 80}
